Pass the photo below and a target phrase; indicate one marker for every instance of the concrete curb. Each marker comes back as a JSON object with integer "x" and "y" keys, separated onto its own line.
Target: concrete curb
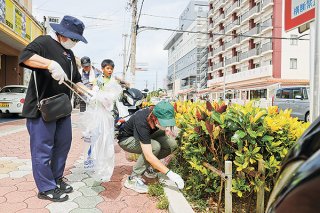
{"x": 177, "y": 202}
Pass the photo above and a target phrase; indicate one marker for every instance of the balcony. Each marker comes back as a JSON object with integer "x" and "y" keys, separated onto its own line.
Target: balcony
{"x": 266, "y": 47}
{"x": 255, "y": 52}
{"x": 232, "y": 25}
{"x": 220, "y": 3}
{"x": 220, "y": 18}
{"x": 211, "y": 13}
{"x": 266, "y": 25}
{"x": 234, "y": 6}
{"x": 252, "y": 32}
{"x": 232, "y": 60}
{"x": 219, "y": 34}
{"x": 254, "y": 11}
{"x": 260, "y": 72}
{"x": 243, "y": 1}
{"x": 266, "y": 4}
{"x": 218, "y": 65}
{"x": 211, "y": 25}
{"x": 245, "y": 16}
{"x": 218, "y": 50}
{"x": 243, "y": 56}
{"x": 232, "y": 42}
{"x": 214, "y": 81}
{"x": 210, "y": 54}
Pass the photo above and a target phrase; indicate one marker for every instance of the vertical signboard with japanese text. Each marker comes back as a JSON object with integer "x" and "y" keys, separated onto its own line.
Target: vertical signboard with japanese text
{"x": 20, "y": 23}
{"x": 28, "y": 28}
{"x": 9, "y": 8}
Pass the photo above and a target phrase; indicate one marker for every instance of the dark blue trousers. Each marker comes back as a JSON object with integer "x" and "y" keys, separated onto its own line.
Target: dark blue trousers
{"x": 49, "y": 144}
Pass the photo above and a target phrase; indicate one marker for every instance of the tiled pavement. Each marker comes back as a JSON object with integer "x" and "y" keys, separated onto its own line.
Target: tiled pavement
{"x": 18, "y": 192}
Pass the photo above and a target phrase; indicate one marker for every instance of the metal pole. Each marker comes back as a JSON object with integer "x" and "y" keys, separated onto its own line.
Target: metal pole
{"x": 124, "y": 56}
{"x": 314, "y": 65}
{"x": 174, "y": 80}
{"x": 133, "y": 41}
{"x": 224, "y": 84}
{"x": 156, "y": 79}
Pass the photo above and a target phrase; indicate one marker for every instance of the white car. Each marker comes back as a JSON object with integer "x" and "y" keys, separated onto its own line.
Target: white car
{"x": 12, "y": 98}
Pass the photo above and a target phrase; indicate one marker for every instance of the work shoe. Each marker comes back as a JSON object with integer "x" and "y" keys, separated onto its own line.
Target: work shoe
{"x": 63, "y": 186}
{"x": 137, "y": 184}
{"x": 54, "y": 195}
{"x": 150, "y": 173}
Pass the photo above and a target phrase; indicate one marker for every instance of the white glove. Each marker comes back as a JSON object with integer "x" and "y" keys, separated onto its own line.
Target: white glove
{"x": 176, "y": 178}
{"x": 57, "y": 72}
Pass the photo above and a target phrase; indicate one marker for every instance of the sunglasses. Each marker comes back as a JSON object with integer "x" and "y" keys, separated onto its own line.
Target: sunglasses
{"x": 74, "y": 40}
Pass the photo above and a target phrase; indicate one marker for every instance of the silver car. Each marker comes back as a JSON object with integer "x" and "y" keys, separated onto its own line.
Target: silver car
{"x": 295, "y": 98}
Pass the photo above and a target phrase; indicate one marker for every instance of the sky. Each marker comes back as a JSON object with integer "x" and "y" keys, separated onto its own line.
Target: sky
{"x": 107, "y": 20}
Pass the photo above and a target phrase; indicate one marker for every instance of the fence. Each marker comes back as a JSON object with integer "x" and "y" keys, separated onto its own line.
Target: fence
{"x": 226, "y": 177}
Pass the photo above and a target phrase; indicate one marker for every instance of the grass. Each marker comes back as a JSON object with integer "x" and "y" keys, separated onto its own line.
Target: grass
{"x": 156, "y": 190}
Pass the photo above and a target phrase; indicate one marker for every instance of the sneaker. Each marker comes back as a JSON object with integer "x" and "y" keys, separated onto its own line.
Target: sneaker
{"x": 88, "y": 164}
{"x": 63, "y": 186}
{"x": 54, "y": 195}
{"x": 150, "y": 173}
{"x": 137, "y": 184}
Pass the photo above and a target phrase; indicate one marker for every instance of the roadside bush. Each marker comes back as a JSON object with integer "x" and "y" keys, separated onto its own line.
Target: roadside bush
{"x": 212, "y": 133}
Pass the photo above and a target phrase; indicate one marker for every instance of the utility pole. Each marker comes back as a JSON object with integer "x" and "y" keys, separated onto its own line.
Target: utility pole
{"x": 133, "y": 41}
{"x": 124, "y": 56}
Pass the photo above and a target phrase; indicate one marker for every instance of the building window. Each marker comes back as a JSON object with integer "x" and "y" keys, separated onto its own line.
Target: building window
{"x": 293, "y": 63}
{"x": 293, "y": 39}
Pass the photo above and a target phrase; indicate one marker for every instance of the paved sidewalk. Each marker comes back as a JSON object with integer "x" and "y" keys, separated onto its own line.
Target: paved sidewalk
{"x": 18, "y": 192}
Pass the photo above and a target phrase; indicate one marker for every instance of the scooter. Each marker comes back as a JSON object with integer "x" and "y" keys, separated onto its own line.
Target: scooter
{"x": 297, "y": 187}
{"x": 129, "y": 102}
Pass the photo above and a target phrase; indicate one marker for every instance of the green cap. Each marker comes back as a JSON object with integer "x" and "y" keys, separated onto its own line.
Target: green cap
{"x": 164, "y": 111}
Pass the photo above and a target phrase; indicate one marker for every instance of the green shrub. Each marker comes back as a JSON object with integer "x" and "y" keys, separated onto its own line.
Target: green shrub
{"x": 212, "y": 133}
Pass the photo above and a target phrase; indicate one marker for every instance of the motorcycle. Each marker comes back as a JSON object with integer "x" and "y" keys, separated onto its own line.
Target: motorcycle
{"x": 298, "y": 183}
{"x": 129, "y": 102}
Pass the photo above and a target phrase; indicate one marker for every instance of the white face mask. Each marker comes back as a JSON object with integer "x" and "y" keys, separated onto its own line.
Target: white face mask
{"x": 68, "y": 44}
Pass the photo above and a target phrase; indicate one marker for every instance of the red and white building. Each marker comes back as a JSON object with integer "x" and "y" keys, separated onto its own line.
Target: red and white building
{"x": 248, "y": 57}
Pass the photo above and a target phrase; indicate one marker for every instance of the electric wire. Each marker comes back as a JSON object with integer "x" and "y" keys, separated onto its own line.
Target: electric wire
{"x": 217, "y": 34}
{"x": 171, "y": 17}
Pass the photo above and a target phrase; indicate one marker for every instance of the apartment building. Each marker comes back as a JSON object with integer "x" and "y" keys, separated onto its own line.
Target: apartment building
{"x": 249, "y": 56}
{"x": 187, "y": 52}
{"x": 17, "y": 28}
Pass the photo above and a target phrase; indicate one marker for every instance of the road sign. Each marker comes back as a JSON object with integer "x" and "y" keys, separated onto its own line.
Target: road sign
{"x": 298, "y": 12}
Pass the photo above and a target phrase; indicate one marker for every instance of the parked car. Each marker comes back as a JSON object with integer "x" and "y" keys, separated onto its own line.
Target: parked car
{"x": 295, "y": 98}
{"x": 12, "y": 99}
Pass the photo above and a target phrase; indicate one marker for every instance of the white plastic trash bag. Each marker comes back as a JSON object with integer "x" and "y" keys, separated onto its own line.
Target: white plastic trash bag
{"x": 97, "y": 124}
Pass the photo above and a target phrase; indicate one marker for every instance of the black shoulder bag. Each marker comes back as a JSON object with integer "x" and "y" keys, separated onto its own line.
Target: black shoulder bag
{"x": 54, "y": 107}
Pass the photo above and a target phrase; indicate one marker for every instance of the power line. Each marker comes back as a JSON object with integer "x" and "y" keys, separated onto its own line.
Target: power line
{"x": 218, "y": 34}
{"x": 140, "y": 12}
{"x": 170, "y": 17}
{"x": 88, "y": 17}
